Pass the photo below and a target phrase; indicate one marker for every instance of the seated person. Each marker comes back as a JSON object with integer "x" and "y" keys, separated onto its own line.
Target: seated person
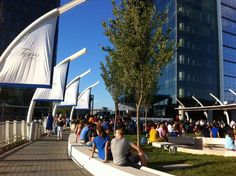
{"x": 153, "y": 134}
{"x": 101, "y": 143}
{"x": 84, "y": 132}
{"x": 229, "y": 140}
{"x": 78, "y": 130}
{"x": 120, "y": 149}
{"x": 92, "y": 133}
{"x": 175, "y": 132}
{"x": 162, "y": 131}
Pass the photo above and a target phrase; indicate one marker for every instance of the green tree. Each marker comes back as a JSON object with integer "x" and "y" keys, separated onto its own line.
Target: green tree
{"x": 142, "y": 46}
{"x": 110, "y": 74}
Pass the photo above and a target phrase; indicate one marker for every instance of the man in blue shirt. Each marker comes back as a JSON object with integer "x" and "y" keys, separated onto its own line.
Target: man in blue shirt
{"x": 84, "y": 133}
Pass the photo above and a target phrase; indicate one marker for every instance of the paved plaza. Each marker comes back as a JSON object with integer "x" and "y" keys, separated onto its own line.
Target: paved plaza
{"x": 47, "y": 157}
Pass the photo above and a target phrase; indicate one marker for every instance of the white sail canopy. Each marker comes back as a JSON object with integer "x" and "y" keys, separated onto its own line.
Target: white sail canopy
{"x": 56, "y": 93}
{"x": 71, "y": 94}
{"x": 28, "y": 60}
{"x": 83, "y": 99}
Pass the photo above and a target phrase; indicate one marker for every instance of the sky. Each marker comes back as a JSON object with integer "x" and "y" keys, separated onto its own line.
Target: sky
{"x": 81, "y": 27}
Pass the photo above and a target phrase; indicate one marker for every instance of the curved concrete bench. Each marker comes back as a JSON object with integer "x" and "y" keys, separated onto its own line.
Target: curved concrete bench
{"x": 80, "y": 155}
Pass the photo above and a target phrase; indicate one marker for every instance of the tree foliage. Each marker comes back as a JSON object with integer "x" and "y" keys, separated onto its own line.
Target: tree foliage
{"x": 141, "y": 46}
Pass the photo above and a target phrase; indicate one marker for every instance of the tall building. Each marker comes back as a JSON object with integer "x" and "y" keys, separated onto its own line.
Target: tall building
{"x": 205, "y": 61}
{"x": 14, "y": 17}
{"x": 227, "y": 21}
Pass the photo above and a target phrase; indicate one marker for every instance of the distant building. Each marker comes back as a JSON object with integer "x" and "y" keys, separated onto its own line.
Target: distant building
{"x": 205, "y": 61}
{"x": 14, "y": 17}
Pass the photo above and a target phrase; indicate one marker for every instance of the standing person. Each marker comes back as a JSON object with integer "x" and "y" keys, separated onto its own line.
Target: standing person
{"x": 55, "y": 124}
{"x": 49, "y": 124}
{"x": 60, "y": 123}
{"x": 101, "y": 142}
{"x": 120, "y": 149}
{"x": 68, "y": 122}
{"x": 214, "y": 132}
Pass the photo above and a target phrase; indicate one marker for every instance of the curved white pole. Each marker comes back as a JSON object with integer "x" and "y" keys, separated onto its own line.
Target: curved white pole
{"x": 71, "y": 113}
{"x": 225, "y": 112}
{"x": 69, "y": 5}
{"x": 29, "y": 118}
{"x": 30, "y": 111}
{"x": 54, "y": 110}
{"x": 216, "y": 99}
{"x": 186, "y": 113}
{"x": 74, "y": 56}
{"x": 205, "y": 113}
{"x": 232, "y": 91}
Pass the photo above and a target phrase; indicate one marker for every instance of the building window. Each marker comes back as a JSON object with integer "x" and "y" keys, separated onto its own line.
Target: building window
{"x": 181, "y": 92}
{"x": 181, "y": 59}
{"x": 181, "y": 42}
{"x": 181, "y": 9}
{"x": 181, "y": 26}
{"x": 181, "y": 75}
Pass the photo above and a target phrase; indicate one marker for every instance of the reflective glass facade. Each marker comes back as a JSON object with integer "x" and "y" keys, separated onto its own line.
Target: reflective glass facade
{"x": 14, "y": 17}
{"x": 168, "y": 79}
{"x": 228, "y": 18}
{"x": 194, "y": 70}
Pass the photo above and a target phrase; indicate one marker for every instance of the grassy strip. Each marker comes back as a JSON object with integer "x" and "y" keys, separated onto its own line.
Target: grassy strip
{"x": 198, "y": 165}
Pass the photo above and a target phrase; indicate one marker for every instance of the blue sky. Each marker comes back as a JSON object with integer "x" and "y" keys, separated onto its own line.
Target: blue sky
{"x": 81, "y": 28}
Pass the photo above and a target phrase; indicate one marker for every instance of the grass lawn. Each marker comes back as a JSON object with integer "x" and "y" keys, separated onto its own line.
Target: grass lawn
{"x": 198, "y": 165}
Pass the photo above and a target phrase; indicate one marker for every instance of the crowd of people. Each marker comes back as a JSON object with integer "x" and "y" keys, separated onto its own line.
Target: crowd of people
{"x": 55, "y": 125}
{"x": 97, "y": 132}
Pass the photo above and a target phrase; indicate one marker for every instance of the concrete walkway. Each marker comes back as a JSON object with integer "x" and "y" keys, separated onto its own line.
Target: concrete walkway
{"x": 47, "y": 157}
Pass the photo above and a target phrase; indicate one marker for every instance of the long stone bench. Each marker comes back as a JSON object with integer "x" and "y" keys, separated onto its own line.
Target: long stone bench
{"x": 211, "y": 146}
{"x": 172, "y": 148}
{"x": 214, "y": 143}
{"x": 183, "y": 140}
{"x": 80, "y": 155}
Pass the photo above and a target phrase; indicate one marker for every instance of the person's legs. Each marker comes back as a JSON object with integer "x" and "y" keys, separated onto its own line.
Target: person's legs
{"x": 59, "y": 129}
{"x": 61, "y": 133}
{"x": 142, "y": 159}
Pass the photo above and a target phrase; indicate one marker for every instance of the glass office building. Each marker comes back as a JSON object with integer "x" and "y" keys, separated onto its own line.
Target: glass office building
{"x": 205, "y": 61}
{"x": 227, "y": 18}
{"x": 14, "y": 17}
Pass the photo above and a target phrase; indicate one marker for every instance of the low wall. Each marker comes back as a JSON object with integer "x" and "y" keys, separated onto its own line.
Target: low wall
{"x": 185, "y": 140}
{"x": 80, "y": 155}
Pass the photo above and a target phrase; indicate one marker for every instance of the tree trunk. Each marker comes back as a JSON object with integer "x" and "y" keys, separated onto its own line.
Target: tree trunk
{"x": 137, "y": 116}
{"x": 146, "y": 111}
{"x": 116, "y": 114}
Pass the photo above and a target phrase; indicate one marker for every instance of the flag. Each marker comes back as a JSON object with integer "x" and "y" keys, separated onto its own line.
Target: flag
{"x": 83, "y": 99}
{"x": 28, "y": 60}
{"x": 56, "y": 93}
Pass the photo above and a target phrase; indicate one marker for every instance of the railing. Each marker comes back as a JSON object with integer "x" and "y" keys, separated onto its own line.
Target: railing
{"x": 16, "y": 131}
